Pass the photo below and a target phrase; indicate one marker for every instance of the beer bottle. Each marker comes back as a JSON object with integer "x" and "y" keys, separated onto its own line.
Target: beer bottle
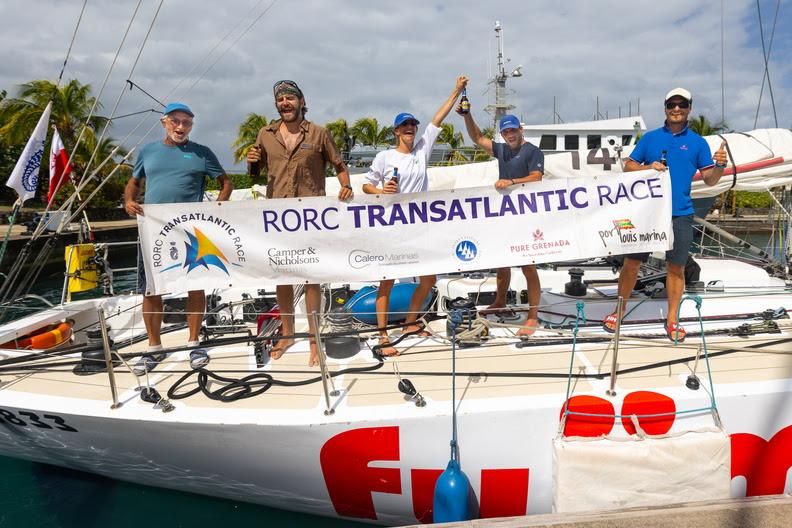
{"x": 395, "y": 177}
{"x": 663, "y": 159}
{"x": 464, "y": 104}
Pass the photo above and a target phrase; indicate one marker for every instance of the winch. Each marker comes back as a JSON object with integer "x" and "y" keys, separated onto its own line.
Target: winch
{"x": 462, "y": 325}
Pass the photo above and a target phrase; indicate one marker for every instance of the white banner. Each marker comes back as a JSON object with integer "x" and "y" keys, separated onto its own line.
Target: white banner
{"x": 209, "y": 245}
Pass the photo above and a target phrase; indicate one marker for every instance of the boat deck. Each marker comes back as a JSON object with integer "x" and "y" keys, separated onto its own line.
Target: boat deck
{"x": 498, "y": 369}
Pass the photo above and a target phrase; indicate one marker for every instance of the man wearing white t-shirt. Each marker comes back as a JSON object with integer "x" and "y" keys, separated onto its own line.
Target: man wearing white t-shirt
{"x": 408, "y": 160}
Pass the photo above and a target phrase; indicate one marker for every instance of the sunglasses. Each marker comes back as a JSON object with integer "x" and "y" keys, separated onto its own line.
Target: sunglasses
{"x": 409, "y": 122}
{"x": 175, "y": 121}
{"x": 681, "y": 104}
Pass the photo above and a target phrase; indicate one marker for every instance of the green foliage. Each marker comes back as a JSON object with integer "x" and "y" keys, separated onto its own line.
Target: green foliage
{"x": 71, "y": 105}
{"x": 489, "y": 132}
{"x": 342, "y": 137}
{"x": 753, "y": 200}
{"x": 246, "y": 135}
{"x": 702, "y": 126}
{"x": 240, "y": 181}
{"x": 367, "y": 131}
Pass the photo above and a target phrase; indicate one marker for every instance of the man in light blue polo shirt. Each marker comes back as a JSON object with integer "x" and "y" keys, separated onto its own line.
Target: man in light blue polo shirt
{"x": 174, "y": 170}
{"x": 676, "y": 148}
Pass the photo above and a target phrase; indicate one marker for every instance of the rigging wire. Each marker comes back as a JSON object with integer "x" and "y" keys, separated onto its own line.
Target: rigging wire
{"x": 250, "y": 26}
{"x": 68, "y": 52}
{"x": 766, "y": 54}
{"x": 244, "y": 17}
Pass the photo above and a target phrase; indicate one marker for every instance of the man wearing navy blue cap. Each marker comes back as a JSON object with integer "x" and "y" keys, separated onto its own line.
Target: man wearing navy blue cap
{"x": 676, "y": 148}
{"x": 402, "y": 170}
{"x": 174, "y": 170}
{"x": 518, "y": 162}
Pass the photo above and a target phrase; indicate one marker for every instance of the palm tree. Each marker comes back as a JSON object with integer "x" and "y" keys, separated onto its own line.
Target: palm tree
{"x": 342, "y": 137}
{"x": 489, "y": 132}
{"x": 71, "y": 105}
{"x": 449, "y": 136}
{"x": 703, "y": 127}
{"x": 247, "y": 134}
{"x": 366, "y": 131}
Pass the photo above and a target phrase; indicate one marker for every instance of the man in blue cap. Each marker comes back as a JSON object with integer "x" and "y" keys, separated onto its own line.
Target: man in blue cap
{"x": 518, "y": 162}
{"x": 676, "y": 148}
{"x": 403, "y": 169}
{"x": 174, "y": 171}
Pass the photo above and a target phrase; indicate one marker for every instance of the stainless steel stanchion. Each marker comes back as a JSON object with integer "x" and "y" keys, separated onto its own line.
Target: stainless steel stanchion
{"x": 108, "y": 359}
{"x": 327, "y": 381}
{"x": 616, "y": 335}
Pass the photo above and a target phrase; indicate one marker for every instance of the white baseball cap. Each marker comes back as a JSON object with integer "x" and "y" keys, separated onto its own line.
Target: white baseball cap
{"x": 681, "y": 92}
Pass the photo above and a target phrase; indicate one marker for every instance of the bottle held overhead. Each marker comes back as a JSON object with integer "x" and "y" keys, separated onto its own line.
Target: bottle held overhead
{"x": 464, "y": 103}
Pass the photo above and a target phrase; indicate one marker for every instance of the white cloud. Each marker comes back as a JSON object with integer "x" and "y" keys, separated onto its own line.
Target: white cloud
{"x": 359, "y": 58}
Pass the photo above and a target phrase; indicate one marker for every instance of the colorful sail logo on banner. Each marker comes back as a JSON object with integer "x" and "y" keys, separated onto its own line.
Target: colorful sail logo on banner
{"x": 202, "y": 252}
{"x": 59, "y": 165}
{"x": 24, "y": 177}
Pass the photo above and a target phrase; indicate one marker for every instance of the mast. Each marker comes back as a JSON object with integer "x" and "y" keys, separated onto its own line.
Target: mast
{"x": 500, "y": 107}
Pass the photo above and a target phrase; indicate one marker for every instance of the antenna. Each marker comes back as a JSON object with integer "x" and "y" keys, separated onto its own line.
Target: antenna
{"x": 500, "y": 107}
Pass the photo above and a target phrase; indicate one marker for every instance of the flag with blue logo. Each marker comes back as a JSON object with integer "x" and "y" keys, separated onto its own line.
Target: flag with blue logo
{"x": 24, "y": 178}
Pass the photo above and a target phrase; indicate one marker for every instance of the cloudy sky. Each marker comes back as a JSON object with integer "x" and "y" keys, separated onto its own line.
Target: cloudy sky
{"x": 356, "y": 58}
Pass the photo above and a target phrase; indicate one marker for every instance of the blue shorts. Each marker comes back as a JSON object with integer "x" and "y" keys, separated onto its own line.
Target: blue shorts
{"x": 683, "y": 239}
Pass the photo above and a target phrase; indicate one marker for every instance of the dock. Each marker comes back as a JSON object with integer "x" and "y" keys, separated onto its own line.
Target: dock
{"x": 774, "y": 511}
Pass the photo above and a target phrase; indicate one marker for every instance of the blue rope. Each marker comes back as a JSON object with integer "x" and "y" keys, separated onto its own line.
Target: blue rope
{"x": 581, "y": 316}
{"x": 698, "y": 301}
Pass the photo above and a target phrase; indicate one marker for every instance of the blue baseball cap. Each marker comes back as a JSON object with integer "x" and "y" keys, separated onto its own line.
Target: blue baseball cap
{"x": 508, "y": 121}
{"x": 404, "y": 116}
{"x": 181, "y": 107}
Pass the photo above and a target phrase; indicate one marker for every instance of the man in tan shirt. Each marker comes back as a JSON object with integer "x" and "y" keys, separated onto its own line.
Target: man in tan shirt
{"x": 296, "y": 152}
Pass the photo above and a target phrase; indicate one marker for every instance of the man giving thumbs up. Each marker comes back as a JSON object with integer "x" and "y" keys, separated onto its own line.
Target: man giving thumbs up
{"x": 682, "y": 152}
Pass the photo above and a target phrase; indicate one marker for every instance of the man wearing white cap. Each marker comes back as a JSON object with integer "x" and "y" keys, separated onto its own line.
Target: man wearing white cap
{"x": 174, "y": 170}
{"x": 676, "y": 148}
{"x": 518, "y": 162}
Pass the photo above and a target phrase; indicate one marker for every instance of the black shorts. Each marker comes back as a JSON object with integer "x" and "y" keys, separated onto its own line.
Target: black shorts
{"x": 683, "y": 239}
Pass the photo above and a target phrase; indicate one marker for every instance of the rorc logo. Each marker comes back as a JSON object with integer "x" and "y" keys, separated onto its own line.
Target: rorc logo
{"x": 200, "y": 250}
{"x": 466, "y": 250}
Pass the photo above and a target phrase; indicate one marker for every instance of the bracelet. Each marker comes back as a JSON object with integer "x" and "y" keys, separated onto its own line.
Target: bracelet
{"x": 347, "y": 186}
{"x": 719, "y": 166}
{"x": 512, "y": 181}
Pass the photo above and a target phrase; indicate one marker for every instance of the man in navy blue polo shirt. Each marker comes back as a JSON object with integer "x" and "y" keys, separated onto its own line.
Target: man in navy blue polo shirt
{"x": 682, "y": 152}
{"x": 518, "y": 162}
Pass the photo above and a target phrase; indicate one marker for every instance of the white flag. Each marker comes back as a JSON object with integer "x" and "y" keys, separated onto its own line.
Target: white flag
{"x": 24, "y": 178}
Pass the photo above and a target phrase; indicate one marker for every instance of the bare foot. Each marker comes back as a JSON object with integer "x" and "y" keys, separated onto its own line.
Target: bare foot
{"x": 386, "y": 349}
{"x": 528, "y": 328}
{"x": 313, "y": 361}
{"x": 280, "y": 348}
{"x": 419, "y": 328}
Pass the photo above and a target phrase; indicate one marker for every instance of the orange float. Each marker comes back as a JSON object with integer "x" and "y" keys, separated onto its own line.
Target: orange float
{"x": 47, "y": 337}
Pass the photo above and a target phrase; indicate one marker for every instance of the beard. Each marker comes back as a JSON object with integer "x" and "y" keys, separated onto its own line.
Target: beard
{"x": 291, "y": 116}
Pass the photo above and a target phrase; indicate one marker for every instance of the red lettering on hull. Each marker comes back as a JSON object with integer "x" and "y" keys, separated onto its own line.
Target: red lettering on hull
{"x": 764, "y": 464}
{"x": 345, "y": 462}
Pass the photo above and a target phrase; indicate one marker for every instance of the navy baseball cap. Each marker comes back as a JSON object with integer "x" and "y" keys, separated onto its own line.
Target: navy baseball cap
{"x": 508, "y": 121}
{"x": 181, "y": 107}
{"x": 404, "y": 116}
